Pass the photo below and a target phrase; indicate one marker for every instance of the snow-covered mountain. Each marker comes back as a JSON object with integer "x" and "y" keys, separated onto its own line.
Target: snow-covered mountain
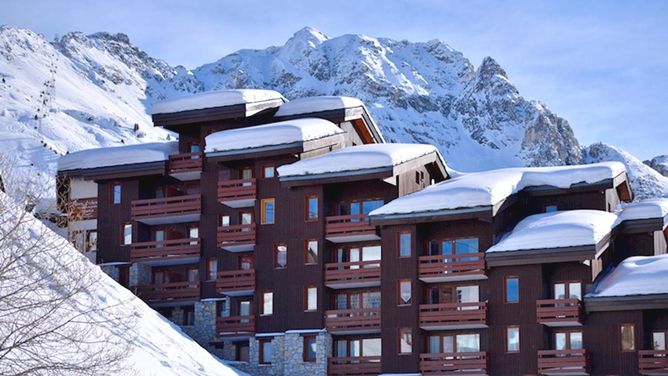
{"x": 659, "y": 163}
{"x": 85, "y": 91}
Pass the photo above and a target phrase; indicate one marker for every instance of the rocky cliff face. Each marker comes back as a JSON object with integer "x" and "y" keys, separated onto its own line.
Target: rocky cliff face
{"x": 659, "y": 163}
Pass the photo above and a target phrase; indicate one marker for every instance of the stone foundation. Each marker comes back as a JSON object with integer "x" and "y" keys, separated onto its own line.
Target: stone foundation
{"x": 140, "y": 274}
{"x": 112, "y": 271}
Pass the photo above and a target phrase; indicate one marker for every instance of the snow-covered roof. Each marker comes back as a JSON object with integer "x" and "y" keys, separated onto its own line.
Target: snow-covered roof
{"x": 357, "y": 158}
{"x": 488, "y": 188}
{"x": 640, "y": 275}
{"x": 645, "y": 209}
{"x": 309, "y": 105}
{"x": 213, "y": 99}
{"x": 118, "y": 155}
{"x": 272, "y": 134}
{"x": 560, "y": 229}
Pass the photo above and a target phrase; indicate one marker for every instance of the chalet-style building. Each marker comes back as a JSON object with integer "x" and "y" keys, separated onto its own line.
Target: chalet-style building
{"x": 289, "y": 238}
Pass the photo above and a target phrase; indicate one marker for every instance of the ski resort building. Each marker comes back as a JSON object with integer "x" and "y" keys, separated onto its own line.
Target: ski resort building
{"x": 290, "y": 238}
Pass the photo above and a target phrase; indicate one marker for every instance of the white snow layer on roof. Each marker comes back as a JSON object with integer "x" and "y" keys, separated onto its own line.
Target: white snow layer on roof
{"x": 640, "y": 275}
{"x": 558, "y": 229}
{"x": 213, "y": 99}
{"x": 357, "y": 158}
{"x": 316, "y": 104}
{"x": 283, "y": 132}
{"x": 118, "y": 155}
{"x": 491, "y": 187}
{"x": 645, "y": 209}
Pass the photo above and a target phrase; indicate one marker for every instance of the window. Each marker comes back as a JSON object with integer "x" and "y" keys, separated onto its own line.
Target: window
{"x": 280, "y": 256}
{"x": 265, "y": 351}
{"x": 224, "y": 220}
{"x": 405, "y": 341}
{"x": 551, "y": 208}
{"x": 357, "y": 347}
{"x": 568, "y": 290}
{"x": 268, "y": 171}
{"x": 450, "y": 343}
{"x": 224, "y": 308}
{"x": 267, "y": 303}
{"x": 127, "y": 233}
{"x": 659, "y": 341}
{"x": 241, "y": 352}
{"x": 188, "y": 315}
{"x": 247, "y": 173}
{"x": 309, "y": 349}
{"x": 311, "y": 298}
{"x": 117, "y": 193}
{"x": 211, "y": 268}
{"x": 512, "y": 290}
{"x": 405, "y": 244}
{"x": 570, "y": 340}
{"x": 267, "y": 211}
{"x": 311, "y": 252}
{"x": 311, "y": 208}
{"x": 512, "y": 339}
{"x": 628, "y": 337}
{"x": 455, "y": 247}
{"x": 92, "y": 241}
{"x": 404, "y": 292}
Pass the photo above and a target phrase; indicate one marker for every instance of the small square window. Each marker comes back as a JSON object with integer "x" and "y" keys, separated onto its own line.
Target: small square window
{"x": 551, "y": 208}
{"x": 405, "y": 244}
{"x": 309, "y": 348}
{"x": 280, "y": 256}
{"x": 224, "y": 220}
{"x": 268, "y": 171}
{"x": 311, "y": 252}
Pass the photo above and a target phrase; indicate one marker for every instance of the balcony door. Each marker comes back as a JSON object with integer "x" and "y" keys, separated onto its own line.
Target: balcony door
{"x": 244, "y": 309}
{"x": 568, "y": 340}
{"x": 247, "y": 173}
{"x": 457, "y": 294}
{"x": 356, "y": 254}
{"x": 195, "y": 148}
{"x": 246, "y": 262}
{"x": 451, "y": 343}
{"x": 357, "y": 300}
{"x": 451, "y": 247}
{"x": 358, "y": 347}
{"x": 568, "y": 290}
{"x": 159, "y": 237}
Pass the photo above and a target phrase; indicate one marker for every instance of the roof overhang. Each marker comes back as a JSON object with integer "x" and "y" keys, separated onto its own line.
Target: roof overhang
{"x": 626, "y": 303}
{"x": 118, "y": 171}
{"x": 481, "y": 213}
{"x": 637, "y": 226}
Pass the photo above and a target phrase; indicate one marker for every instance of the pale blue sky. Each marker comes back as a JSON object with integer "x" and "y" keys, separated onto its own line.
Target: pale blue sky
{"x": 603, "y": 65}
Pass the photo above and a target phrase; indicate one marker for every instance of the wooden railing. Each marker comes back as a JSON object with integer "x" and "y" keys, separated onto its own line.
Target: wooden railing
{"x": 354, "y": 365}
{"x": 157, "y": 207}
{"x": 236, "y": 235}
{"x": 352, "y": 272}
{"x": 351, "y": 320}
{"x": 82, "y": 209}
{"x": 453, "y": 314}
{"x": 166, "y": 249}
{"x": 168, "y": 291}
{"x": 348, "y": 225}
{"x": 186, "y": 162}
{"x": 465, "y": 265}
{"x": 235, "y": 280}
{"x": 233, "y": 325}
{"x": 555, "y": 311}
{"x": 240, "y": 189}
{"x": 462, "y": 363}
{"x": 653, "y": 362}
{"x": 555, "y": 362}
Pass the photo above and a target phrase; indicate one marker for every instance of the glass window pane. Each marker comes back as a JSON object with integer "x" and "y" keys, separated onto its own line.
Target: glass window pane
{"x": 355, "y": 348}
{"x": 127, "y": 234}
{"x": 434, "y": 342}
{"x": 269, "y": 172}
{"x": 312, "y": 298}
{"x": 448, "y": 344}
{"x": 281, "y": 256}
{"x": 267, "y": 303}
{"x": 312, "y": 210}
{"x": 342, "y": 348}
{"x": 628, "y": 337}
{"x": 575, "y": 290}
{"x": 371, "y": 253}
{"x": 576, "y": 340}
{"x": 405, "y": 292}
{"x": 658, "y": 341}
{"x": 513, "y": 339}
{"x": 433, "y": 249}
{"x": 512, "y": 290}
{"x": 406, "y": 341}
{"x": 369, "y": 206}
{"x": 559, "y": 291}
{"x": 560, "y": 341}
{"x": 266, "y": 352}
{"x": 310, "y": 348}
{"x": 466, "y": 246}
{"x": 405, "y": 244}
{"x": 312, "y": 252}
{"x": 468, "y": 342}
{"x": 447, "y": 248}
{"x": 371, "y": 347}
{"x": 467, "y": 294}
{"x": 269, "y": 211}
{"x": 550, "y": 208}
{"x": 117, "y": 194}
{"x": 371, "y": 299}
{"x": 341, "y": 301}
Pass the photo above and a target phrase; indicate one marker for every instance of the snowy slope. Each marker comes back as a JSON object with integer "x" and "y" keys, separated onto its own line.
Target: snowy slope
{"x": 645, "y": 181}
{"x": 659, "y": 163}
{"x": 158, "y": 346}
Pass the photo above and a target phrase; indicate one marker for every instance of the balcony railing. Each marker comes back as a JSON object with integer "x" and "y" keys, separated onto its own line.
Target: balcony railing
{"x": 349, "y": 228}
{"x": 453, "y": 316}
{"x": 177, "y": 209}
{"x": 463, "y": 363}
{"x": 82, "y": 209}
{"x": 457, "y": 267}
{"x": 239, "y": 193}
{"x": 349, "y": 321}
{"x": 237, "y": 238}
{"x": 559, "y": 312}
{"x": 168, "y": 292}
{"x": 235, "y": 325}
{"x": 354, "y": 365}
{"x": 166, "y": 252}
{"x": 653, "y": 362}
{"x": 236, "y": 282}
{"x": 186, "y": 166}
{"x": 352, "y": 274}
{"x": 563, "y": 362}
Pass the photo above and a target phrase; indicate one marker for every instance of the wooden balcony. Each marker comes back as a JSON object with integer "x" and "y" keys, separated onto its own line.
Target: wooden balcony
{"x": 653, "y": 362}
{"x": 349, "y": 228}
{"x": 239, "y": 193}
{"x": 186, "y": 166}
{"x": 235, "y": 326}
{"x": 354, "y": 365}
{"x": 559, "y": 312}
{"x": 563, "y": 362}
{"x": 177, "y": 209}
{"x": 82, "y": 209}
{"x": 353, "y": 321}
{"x": 342, "y": 275}
{"x": 236, "y": 282}
{"x": 463, "y": 363}
{"x": 174, "y": 292}
{"x": 166, "y": 252}
{"x": 449, "y": 268}
{"x": 237, "y": 238}
{"x": 453, "y": 316}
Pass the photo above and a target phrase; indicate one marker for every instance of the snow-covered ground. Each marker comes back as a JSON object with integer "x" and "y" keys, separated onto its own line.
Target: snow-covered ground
{"x": 157, "y": 346}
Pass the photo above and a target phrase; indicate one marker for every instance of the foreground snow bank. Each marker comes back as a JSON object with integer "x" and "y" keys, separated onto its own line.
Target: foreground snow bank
{"x": 155, "y": 346}
{"x": 640, "y": 275}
